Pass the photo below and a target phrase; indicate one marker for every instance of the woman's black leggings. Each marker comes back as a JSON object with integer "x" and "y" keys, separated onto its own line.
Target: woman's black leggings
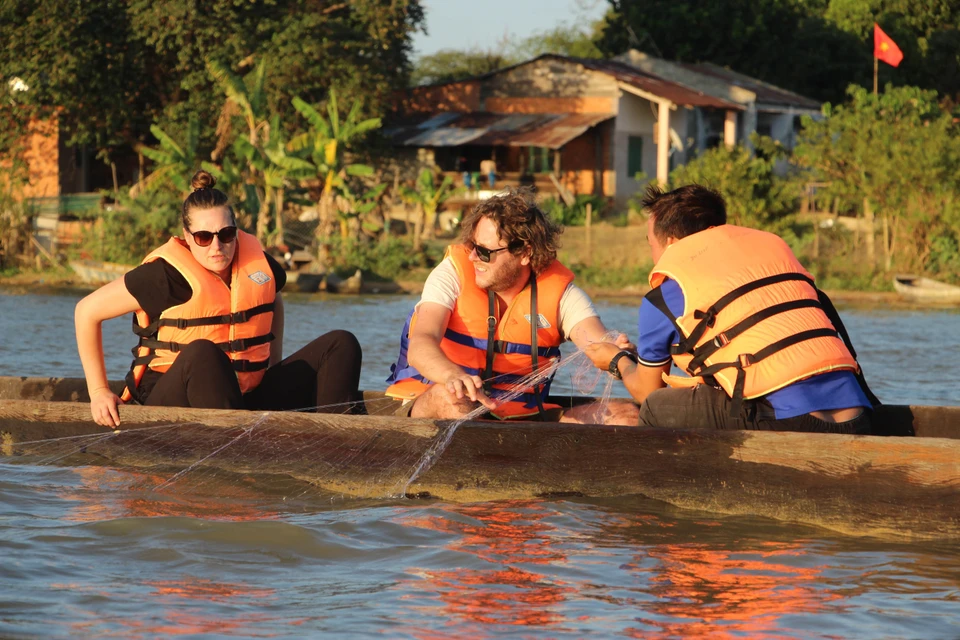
{"x": 324, "y": 376}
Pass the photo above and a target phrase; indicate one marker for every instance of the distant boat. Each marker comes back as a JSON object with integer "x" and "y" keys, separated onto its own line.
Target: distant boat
{"x": 92, "y": 272}
{"x": 926, "y": 290}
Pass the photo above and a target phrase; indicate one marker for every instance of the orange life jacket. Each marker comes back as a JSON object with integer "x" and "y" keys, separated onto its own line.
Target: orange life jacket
{"x": 753, "y": 321}
{"x": 465, "y": 341}
{"x": 236, "y": 318}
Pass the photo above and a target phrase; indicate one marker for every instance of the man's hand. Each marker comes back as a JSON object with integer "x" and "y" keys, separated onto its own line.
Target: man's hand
{"x": 623, "y": 343}
{"x": 601, "y": 353}
{"x": 464, "y": 384}
{"x": 104, "y": 405}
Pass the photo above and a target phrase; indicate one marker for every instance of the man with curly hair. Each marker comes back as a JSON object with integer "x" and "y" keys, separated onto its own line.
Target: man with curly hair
{"x": 493, "y": 313}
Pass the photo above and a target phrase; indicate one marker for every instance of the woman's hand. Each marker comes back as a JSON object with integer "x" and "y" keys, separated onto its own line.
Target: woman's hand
{"x": 104, "y": 405}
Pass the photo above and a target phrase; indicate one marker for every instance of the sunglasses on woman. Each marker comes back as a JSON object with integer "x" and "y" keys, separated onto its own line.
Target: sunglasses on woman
{"x": 204, "y": 238}
{"x": 484, "y": 254}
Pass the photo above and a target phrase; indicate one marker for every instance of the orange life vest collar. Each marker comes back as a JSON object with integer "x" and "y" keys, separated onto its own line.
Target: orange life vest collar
{"x": 237, "y": 318}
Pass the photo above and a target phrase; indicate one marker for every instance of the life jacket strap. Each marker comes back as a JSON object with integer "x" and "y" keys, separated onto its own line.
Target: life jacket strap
{"x": 708, "y": 317}
{"x": 231, "y": 346}
{"x": 238, "y": 317}
{"x": 707, "y": 349}
{"x": 745, "y": 360}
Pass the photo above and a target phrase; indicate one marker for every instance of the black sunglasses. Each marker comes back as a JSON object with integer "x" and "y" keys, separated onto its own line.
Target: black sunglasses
{"x": 484, "y": 254}
{"x": 204, "y": 238}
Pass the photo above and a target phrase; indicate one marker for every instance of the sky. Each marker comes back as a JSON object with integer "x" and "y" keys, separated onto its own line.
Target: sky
{"x": 463, "y": 24}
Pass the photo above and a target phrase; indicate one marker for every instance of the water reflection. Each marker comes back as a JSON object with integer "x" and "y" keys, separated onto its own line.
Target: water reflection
{"x": 507, "y": 535}
{"x": 102, "y": 493}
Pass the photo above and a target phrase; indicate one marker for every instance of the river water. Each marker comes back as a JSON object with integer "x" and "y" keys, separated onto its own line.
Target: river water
{"x": 89, "y": 552}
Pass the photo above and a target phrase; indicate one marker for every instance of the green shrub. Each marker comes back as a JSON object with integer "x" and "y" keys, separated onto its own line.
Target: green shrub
{"x": 576, "y": 215}
{"x": 134, "y": 228}
{"x": 755, "y": 195}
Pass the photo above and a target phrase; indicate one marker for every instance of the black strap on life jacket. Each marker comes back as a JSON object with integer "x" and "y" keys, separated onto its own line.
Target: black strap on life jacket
{"x": 231, "y": 346}
{"x": 491, "y": 333}
{"x": 722, "y": 339}
{"x": 745, "y": 360}
{"x": 534, "y": 356}
{"x": 834, "y": 317}
{"x": 708, "y": 317}
{"x": 148, "y": 339}
{"x": 238, "y": 317}
{"x": 492, "y": 343}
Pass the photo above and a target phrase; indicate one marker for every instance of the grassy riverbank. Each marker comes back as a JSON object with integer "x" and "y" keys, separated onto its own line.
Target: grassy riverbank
{"x": 614, "y": 263}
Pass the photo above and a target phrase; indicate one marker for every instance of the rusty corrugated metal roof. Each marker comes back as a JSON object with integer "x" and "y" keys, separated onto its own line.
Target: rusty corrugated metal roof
{"x": 491, "y": 129}
{"x": 766, "y": 93}
{"x": 675, "y": 92}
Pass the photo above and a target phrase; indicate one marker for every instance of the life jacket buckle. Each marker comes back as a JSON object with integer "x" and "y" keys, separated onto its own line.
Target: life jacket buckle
{"x": 237, "y": 345}
{"x": 491, "y": 323}
{"x": 721, "y": 340}
{"x": 182, "y": 323}
{"x": 746, "y": 359}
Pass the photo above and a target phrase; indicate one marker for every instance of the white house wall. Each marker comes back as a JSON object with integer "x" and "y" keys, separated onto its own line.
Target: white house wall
{"x": 637, "y": 117}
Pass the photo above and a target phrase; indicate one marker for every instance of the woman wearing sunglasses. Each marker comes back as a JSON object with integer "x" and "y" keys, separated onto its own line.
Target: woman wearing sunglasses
{"x": 209, "y": 318}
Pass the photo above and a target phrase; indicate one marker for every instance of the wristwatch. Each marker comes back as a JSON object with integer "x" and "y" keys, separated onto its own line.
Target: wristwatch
{"x": 614, "y": 367}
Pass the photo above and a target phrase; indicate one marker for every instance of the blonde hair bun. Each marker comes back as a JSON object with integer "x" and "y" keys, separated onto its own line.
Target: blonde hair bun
{"x": 202, "y": 180}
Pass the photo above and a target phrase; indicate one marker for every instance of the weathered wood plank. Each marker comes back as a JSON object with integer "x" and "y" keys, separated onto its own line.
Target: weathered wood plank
{"x": 890, "y": 420}
{"x": 863, "y": 485}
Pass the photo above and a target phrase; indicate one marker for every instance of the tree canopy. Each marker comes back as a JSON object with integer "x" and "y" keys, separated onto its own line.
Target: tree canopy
{"x": 112, "y": 68}
{"x": 814, "y": 47}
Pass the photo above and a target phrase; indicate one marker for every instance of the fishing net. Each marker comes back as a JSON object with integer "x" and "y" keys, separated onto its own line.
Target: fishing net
{"x": 317, "y": 454}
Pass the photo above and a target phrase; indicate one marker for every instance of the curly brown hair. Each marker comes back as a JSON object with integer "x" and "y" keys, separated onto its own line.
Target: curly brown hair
{"x": 520, "y": 223}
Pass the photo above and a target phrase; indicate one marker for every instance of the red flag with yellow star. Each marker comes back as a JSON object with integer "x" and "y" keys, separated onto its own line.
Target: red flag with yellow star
{"x": 884, "y": 48}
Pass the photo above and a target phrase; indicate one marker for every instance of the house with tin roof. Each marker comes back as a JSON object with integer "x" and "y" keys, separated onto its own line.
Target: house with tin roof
{"x": 588, "y": 126}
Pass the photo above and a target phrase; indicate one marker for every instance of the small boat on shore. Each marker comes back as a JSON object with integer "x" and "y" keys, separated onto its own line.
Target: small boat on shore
{"x": 92, "y": 272}
{"x": 903, "y": 483}
{"x": 926, "y": 290}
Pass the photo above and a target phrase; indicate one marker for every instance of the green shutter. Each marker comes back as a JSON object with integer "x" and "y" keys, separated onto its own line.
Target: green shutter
{"x": 634, "y": 156}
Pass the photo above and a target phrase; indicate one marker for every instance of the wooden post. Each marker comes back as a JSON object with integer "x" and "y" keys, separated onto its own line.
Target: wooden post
{"x": 816, "y": 239}
{"x": 663, "y": 143}
{"x": 868, "y": 219}
{"x": 887, "y": 258}
{"x": 875, "y": 65}
{"x": 588, "y": 258}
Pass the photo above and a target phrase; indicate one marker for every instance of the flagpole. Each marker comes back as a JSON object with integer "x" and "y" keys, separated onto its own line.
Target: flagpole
{"x": 875, "y": 64}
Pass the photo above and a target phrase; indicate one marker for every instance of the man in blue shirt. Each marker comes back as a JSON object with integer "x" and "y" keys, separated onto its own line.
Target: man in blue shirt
{"x": 734, "y": 309}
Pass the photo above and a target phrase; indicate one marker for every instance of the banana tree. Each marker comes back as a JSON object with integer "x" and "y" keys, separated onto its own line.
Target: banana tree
{"x": 246, "y": 100}
{"x": 284, "y": 167}
{"x": 428, "y": 198}
{"x": 327, "y": 142}
{"x": 173, "y": 163}
{"x": 350, "y": 205}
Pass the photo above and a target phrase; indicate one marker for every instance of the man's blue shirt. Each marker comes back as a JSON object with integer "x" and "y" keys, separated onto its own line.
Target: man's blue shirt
{"x": 823, "y": 392}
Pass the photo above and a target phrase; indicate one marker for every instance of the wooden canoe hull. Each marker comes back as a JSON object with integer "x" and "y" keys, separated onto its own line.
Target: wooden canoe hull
{"x": 903, "y": 487}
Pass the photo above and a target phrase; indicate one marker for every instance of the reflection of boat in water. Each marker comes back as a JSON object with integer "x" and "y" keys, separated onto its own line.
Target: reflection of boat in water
{"x": 926, "y": 290}
{"x": 92, "y": 272}
{"x": 886, "y": 486}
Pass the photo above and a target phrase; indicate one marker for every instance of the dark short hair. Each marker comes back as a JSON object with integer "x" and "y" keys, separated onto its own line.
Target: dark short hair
{"x": 684, "y": 211}
{"x": 204, "y": 196}
{"x": 520, "y": 223}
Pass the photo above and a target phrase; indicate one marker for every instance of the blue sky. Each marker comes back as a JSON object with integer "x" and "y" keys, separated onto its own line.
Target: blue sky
{"x": 462, "y": 24}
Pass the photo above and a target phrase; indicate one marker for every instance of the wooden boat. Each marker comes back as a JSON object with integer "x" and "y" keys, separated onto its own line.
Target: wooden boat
{"x": 91, "y": 272}
{"x": 904, "y": 483}
{"x": 926, "y": 290}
